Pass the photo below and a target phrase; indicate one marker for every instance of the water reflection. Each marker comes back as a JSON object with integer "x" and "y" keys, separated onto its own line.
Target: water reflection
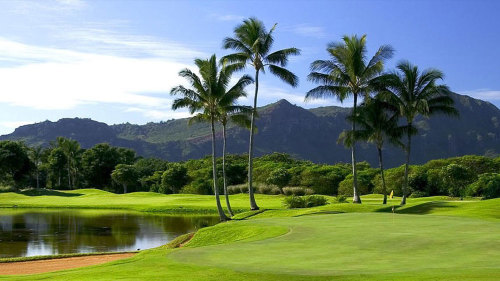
{"x": 33, "y": 232}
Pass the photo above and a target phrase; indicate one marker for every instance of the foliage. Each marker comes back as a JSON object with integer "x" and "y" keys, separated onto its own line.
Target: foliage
{"x": 487, "y": 186}
{"x": 365, "y": 184}
{"x": 456, "y": 177}
{"x": 173, "y": 179}
{"x": 125, "y": 175}
{"x": 309, "y": 201}
{"x": 279, "y": 177}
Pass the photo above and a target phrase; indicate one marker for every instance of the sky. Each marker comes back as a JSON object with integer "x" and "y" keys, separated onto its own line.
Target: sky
{"x": 116, "y": 61}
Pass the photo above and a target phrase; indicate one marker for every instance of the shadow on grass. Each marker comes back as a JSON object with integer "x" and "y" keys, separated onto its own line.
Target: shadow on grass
{"x": 420, "y": 209}
{"x": 47, "y": 192}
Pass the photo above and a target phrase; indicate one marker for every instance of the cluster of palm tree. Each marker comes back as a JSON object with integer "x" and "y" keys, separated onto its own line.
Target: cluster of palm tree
{"x": 387, "y": 97}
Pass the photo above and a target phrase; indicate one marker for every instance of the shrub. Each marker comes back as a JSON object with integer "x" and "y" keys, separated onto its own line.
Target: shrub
{"x": 393, "y": 179}
{"x": 267, "y": 189}
{"x": 365, "y": 185}
{"x": 315, "y": 200}
{"x": 309, "y": 201}
{"x": 456, "y": 177}
{"x": 341, "y": 199}
{"x": 199, "y": 186}
{"x": 418, "y": 194}
{"x": 279, "y": 177}
{"x": 297, "y": 191}
{"x": 239, "y": 188}
{"x": 487, "y": 186}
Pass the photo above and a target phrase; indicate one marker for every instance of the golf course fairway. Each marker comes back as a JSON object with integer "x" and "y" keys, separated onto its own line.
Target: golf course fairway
{"x": 347, "y": 246}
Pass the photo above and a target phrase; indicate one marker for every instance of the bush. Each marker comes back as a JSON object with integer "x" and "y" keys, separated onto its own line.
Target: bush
{"x": 393, "y": 179}
{"x": 267, "y": 189}
{"x": 297, "y": 191}
{"x": 309, "y": 201}
{"x": 239, "y": 188}
{"x": 341, "y": 199}
{"x": 487, "y": 186}
{"x": 418, "y": 194}
{"x": 456, "y": 177}
{"x": 199, "y": 186}
{"x": 279, "y": 177}
{"x": 174, "y": 178}
{"x": 365, "y": 185}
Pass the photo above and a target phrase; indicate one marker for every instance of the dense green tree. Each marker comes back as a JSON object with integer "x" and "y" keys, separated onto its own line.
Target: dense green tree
{"x": 15, "y": 164}
{"x": 252, "y": 43}
{"x": 487, "y": 186}
{"x": 456, "y": 178}
{"x": 125, "y": 175}
{"x": 415, "y": 93}
{"x": 174, "y": 178}
{"x": 204, "y": 96}
{"x": 99, "y": 162}
{"x": 279, "y": 177}
{"x": 347, "y": 74}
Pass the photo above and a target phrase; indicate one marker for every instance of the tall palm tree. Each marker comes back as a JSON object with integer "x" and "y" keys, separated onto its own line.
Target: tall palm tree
{"x": 347, "y": 74}
{"x": 238, "y": 115}
{"x": 36, "y": 154}
{"x": 378, "y": 122}
{"x": 415, "y": 93}
{"x": 253, "y": 44}
{"x": 205, "y": 95}
{"x": 71, "y": 149}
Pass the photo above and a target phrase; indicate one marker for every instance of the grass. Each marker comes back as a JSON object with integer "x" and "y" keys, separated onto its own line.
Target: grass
{"x": 428, "y": 239}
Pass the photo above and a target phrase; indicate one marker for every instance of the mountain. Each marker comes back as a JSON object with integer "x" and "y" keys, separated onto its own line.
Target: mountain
{"x": 282, "y": 127}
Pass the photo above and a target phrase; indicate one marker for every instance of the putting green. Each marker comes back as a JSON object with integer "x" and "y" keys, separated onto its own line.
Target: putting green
{"x": 369, "y": 243}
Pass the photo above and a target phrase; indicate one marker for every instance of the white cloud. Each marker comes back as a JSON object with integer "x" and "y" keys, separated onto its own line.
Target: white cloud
{"x": 484, "y": 94}
{"x": 50, "y": 78}
{"x": 15, "y": 124}
{"x": 229, "y": 17}
{"x": 158, "y": 115}
{"x": 307, "y": 30}
{"x": 268, "y": 94}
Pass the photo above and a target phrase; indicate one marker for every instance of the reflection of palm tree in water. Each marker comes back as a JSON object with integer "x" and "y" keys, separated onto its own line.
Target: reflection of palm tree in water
{"x": 73, "y": 231}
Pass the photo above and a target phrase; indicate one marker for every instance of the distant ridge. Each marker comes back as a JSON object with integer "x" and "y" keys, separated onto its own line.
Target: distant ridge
{"x": 282, "y": 127}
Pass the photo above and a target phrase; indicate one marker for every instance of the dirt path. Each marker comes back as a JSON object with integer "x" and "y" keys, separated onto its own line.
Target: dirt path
{"x": 42, "y": 266}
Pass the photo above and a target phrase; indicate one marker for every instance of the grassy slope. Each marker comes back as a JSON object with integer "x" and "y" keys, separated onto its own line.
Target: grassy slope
{"x": 290, "y": 245}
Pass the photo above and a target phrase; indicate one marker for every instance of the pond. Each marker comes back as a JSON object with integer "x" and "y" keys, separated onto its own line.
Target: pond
{"x": 29, "y": 232}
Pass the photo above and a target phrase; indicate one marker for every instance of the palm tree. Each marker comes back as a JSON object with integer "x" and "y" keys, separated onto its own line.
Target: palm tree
{"x": 348, "y": 74}
{"x": 71, "y": 149}
{"x": 36, "y": 154}
{"x": 378, "y": 122}
{"x": 204, "y": 96}
{"x": 415, "y": 93}
{"x": 238, "y": 115}
{"x": 253, "y": 44}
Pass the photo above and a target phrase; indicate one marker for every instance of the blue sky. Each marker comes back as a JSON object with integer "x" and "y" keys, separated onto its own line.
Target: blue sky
{"x": 115, "y": 61}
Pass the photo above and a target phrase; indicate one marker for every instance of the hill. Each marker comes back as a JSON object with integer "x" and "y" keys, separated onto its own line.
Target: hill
{"x": 282, "y": 127}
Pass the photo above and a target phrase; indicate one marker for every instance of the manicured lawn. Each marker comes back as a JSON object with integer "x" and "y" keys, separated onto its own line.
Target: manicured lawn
{"x": 429, "y": 239}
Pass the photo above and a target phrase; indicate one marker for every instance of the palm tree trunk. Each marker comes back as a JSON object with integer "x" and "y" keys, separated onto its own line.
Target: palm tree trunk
{"x": 407, "y": 166}
{"x": 381, "y": 164}
{"x": 69, "y": 178}
{"x": 355, "y": 198}
{"x": 253, "y": 204}
{"x": 224, "y": 170}
{"x": 222, "y": 215}
{"x": 37, "y": 179}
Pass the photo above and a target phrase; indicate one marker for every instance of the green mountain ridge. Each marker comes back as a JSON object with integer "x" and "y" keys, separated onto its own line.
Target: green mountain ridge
{"x": 282, "y": 127}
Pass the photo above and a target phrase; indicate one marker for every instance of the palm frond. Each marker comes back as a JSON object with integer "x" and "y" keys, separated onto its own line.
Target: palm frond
{"x": 285, "y": 75}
